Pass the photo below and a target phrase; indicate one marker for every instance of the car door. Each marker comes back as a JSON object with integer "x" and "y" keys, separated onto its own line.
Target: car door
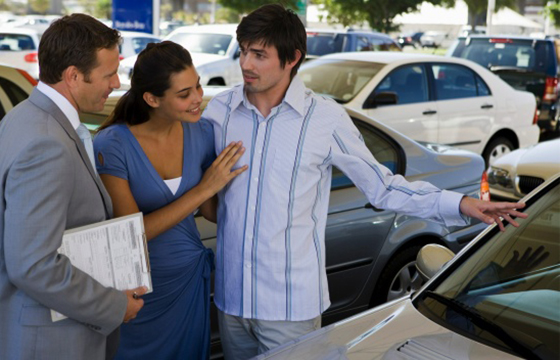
{"x": 356, "y": 230}
{"x": 415, "y": 113}
{"x": 465, "y": 105}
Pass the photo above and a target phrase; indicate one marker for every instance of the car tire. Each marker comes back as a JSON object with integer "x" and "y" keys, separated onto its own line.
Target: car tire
{"x": 496, "y": 149}
{"x": 399, "y": 277}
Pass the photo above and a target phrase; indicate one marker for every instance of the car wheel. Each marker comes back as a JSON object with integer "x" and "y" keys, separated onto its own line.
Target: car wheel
{"x": 399, "y": 278}
{"x": 496, "y": 149}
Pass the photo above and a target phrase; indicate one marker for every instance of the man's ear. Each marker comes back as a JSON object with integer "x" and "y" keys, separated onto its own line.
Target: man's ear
{"x": 151, "y": 99}
{"x": 297, "y": 56}
{"x": 71, "y": 75}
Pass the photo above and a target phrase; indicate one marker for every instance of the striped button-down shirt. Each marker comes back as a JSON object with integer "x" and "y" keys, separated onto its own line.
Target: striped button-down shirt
{"x": 271, "y": 219}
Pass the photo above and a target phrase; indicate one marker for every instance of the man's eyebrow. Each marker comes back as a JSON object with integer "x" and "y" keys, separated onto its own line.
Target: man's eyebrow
{"x": 254, "y": 50}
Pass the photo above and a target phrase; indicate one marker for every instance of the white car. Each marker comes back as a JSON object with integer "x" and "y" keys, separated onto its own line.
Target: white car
{"x": 430, "y": 98}
{"x": 432, "y": 39}
{"x": 499, "y": 298}
{"x": 133, "y": 42}
{"x": 516, "y": 174}
{"x": 18, "y": 48}
{"x": 214, "y": 51}
{"x": 15, "y": 86}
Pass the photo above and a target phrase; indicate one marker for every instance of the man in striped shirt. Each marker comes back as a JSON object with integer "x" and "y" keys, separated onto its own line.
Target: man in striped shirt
{"x": 271, "y": 283}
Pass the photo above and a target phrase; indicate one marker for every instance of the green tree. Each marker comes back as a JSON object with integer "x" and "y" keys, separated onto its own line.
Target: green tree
{"x": 552, "y": 10}
{"x": 478, "y": 9}
{"x": 246, "y": 6}
{"x": 103, "y": 9}
{"x": 378, "y": 13}
{"x": 40, "y": 6}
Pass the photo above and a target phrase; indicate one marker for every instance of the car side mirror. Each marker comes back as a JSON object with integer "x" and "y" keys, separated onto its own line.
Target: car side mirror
{"x": 237, "y": 54}
{"x": 381, "y": 99}
{"x": 431, "y": 258}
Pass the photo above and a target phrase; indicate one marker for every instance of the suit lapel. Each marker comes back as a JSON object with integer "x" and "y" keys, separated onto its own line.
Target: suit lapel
{"x": 44, "y": 102}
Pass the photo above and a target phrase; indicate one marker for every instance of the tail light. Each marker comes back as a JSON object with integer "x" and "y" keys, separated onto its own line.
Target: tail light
{"x": 31, "y": 57}
{"x": 484, "y": 187}
{"x": 121, "y": 57}
{"x": 27, "y": 77}
{"x": 536, "y": 117}
{"x": 551, "y": 89}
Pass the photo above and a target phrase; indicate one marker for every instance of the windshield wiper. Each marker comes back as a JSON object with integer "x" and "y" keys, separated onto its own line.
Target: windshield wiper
{"x": 483, "y": 323}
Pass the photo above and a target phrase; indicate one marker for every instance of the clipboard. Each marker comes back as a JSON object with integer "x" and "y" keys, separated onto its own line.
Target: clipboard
{"x": 113, "y": 252}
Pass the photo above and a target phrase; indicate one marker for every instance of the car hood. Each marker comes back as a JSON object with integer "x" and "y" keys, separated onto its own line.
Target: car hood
{"x": 541, "y": 160}
{"x": 392, "y": 331}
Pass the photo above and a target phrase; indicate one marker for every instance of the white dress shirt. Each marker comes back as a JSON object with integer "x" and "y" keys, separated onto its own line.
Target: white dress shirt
{"x": 272, "y": 218}
{"x": 63, "y": 104}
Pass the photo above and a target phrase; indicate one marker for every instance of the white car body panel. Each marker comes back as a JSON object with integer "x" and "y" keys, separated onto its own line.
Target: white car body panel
{"x": 208, "y": 66}
{"x": 395, "y": 330}
{"x": 460, "y": 122}
{"x": 540, "y": 161}
{"x": 16, "y": 58}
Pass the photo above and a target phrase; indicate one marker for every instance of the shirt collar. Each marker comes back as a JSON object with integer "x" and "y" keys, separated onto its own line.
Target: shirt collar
{"x": 63, "y": 104}
{"x": 295, "y": 96}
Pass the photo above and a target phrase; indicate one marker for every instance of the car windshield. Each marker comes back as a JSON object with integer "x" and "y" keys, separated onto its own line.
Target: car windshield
{"x": 203, "y": 43}
{"x": 322, "y": 44}
{"x": 16, "y": 42}
{"x": 506, "y": 294}
{"x": 338, "y": 79}
{"x": 529, "y": 55}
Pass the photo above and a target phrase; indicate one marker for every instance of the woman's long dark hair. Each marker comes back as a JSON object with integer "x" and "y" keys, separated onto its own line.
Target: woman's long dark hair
{"x": 152, "y": 73}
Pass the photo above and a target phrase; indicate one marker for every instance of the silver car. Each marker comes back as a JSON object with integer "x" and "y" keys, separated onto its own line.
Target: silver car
{"x": 371, "y": 252}
{"x": 498, "y": 299}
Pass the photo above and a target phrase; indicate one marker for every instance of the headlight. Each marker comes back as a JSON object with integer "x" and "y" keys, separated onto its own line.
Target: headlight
{"x": 125, "y": 72}
{"x": 498, "y": 176}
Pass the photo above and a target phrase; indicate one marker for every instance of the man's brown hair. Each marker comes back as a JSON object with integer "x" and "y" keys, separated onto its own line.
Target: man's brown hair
{"x": 73, "y": 40}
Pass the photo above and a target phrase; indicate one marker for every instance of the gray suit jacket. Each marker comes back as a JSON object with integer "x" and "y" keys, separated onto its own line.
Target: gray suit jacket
{"x": 49, "y": 185}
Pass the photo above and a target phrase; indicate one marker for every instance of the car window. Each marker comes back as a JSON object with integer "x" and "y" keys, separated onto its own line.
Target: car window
{"x": 531, "y": 55}
{"x": 14, "y": 92}
{"x": 139, "y": 44}
{"x": 16, "y": 42}
{"x": 338, "y": 79}
{"x": 409, "y": 82}
{"x": 322, "y": 44}
{"x": 379, "y": 44}
{"x": 455, "y": 81}
{"x": 507, "y": 291}
{"x": 203, "y": 43}
{"x": 385, "y": 152}
{"x": 363, "y": 44}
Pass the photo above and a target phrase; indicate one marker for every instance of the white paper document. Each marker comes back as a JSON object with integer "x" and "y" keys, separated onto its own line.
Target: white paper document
{"x": 113, "y": 252}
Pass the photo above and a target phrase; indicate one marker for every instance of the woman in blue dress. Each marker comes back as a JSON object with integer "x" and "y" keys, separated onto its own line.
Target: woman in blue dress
{"x": 155, "y": 156}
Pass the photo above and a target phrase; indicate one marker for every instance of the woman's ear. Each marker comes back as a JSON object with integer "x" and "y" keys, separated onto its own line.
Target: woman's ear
{"x": 151, "y": 99}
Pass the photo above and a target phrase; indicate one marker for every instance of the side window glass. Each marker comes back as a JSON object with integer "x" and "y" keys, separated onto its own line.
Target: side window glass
{"x": 14, "y": 92}
{"x": 454, "y": 81}
{"x": 408, "y": 82}
{"x": 481, "y": 87}
{"x": 385, "y": 152}
{"x": 363, "y": 44}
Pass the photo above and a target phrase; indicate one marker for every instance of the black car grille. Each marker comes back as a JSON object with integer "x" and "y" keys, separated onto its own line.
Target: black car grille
{"x": 528, "y": 183}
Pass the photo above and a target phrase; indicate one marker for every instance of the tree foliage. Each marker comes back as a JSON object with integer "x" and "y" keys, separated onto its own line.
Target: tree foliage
{"x": 552, "y": 10}
{"x": 478, "y": 9}
{"x": 246, "y": 6}
{"x": 379, "y": 14}
{"x": 40, "y": 6}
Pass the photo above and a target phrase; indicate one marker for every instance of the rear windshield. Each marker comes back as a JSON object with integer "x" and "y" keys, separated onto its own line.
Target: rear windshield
{"x": 16, "y": 42}
{"x": 322, "y": 44}
{"x": 217, "y": 44}
{"x": 531, "y": 55}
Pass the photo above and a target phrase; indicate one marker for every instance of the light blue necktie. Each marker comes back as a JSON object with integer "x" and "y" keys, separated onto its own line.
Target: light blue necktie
{"x": 85, "y": 136}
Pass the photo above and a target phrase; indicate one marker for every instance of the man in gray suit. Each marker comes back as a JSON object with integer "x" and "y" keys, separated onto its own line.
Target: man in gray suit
{"x": 49, "y": 185}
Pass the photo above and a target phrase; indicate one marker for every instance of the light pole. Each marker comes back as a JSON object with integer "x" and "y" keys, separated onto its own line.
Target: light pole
{"x": 489, "y": 14}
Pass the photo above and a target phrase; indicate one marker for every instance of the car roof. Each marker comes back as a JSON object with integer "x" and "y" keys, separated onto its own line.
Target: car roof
{"x": 512, "y": 37}
{"x": 18, "y": 30}
{"x": 345, "y": 31}
{"x": 137, "y": 34}
{"x": 385, "y": 57}
{"x": 211, "y": 29}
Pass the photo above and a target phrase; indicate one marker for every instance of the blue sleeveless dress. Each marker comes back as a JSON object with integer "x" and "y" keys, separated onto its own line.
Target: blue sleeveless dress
{"x": 175, "y": 320}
